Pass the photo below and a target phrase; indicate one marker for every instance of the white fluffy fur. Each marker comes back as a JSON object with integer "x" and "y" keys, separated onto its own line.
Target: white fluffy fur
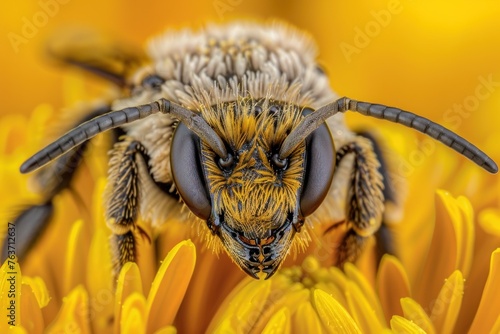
{"x": 219, "y": 63}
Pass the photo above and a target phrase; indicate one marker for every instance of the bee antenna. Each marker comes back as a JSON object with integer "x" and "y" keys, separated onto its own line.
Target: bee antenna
{"x": 312, "y": 121}
{"x": 113, "y": 119}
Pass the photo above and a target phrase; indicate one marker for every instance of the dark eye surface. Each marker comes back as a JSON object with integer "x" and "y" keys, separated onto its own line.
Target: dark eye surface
{"x": 257, "y": 110}
{"x": 152, "y": 81}
{"x": 188, "y": 173}
{"x": 320, "y": 165}
{"x": 274, "y": 110}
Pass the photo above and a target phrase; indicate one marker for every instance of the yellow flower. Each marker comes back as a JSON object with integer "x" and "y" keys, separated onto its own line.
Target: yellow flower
{"x": 128, "y": 309}
{"x": 21, "y": 299}
{"x": 124, "y": 310}
{"x": 446, "y": 276}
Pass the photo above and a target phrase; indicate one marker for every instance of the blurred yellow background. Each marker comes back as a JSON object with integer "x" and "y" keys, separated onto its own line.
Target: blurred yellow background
{"x": 439, "y": 59}
{"x": 424, "y": 56}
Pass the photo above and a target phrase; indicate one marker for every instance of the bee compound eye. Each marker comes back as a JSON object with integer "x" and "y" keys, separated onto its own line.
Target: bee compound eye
{"x": 187, "y": 171}
{"x": 152, "y": 81}
{"x": 274, "y": 109}
{"x": 320, "y": 165}
{"x": 257, "y": 110}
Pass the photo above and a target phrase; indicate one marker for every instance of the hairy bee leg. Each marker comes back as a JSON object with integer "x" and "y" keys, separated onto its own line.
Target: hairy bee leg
{"x": 123, "y": 196}
{"x": 385, "y": 242}
{"x": 350, "y": 248}
{"x": 124, "y": 249}
{"x": 52, "y": 180}
{"x": 365, "y": 197}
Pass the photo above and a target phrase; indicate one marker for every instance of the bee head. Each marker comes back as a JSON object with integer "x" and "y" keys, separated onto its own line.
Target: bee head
{"x": 253, "y": 200}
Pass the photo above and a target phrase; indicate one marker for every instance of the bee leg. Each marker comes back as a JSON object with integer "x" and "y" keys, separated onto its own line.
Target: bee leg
{"x": 51, "y": 180}
{"x": 123, "y": 198}
{"x": 385, "y": 243}
{"x": 365, "y": 197}
{"x": 350, "y": 248}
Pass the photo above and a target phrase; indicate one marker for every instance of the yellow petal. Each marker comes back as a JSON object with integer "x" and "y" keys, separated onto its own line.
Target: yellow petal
{"x": 404, "y": 326}
{"x": 133, "y": 318}
{"x": 392, "y": 285}
{"x": 451, "y": 247}
{"x": 170, "y": 284}
{"x": 305, "y": 319}
{"x": 496, "y": 326}
{"x": 32, "y": 319}
{"x": 338, "y": 277}
{"x": 415, "y": 313}
{"x": 242, "y": 308}
{"x": 250, "y": 305}
{"x": 223, "y": 311}
{"x": 39, "y": 288}
{"x": 73, "y": 317}
{"x": 279, "y": 322}
{"x": 488, "y": 314}
{"x": 100, "y": 284}
{"x": 362, "y": 311}
{"x": 209, "y": 268}
{"x": 98, "y": 205}
{"x": 367, "y": 261}
{"x": 447, "y": 305}
{"x": 279, "y": 298}
{"x": 10, "y": 294}
{"x": 489, "y": 220}
{"x": 17, "y": 330}
{"x": 366, "y": 289}
{"x": 335, "y": 285}
{"x": 333, "y": 290}
{"x": 465, "y": 236}
{"x": 74, "y": 271}
{"x": 334, "y": 317}
{"x": 148, "y": 265}
{"x": 56, "y": 259}
{"x": 134, "y": 323}
{"x": 167, "y": 330}
{"x": 313, "y": 273}
{"x": 129, "y": 282}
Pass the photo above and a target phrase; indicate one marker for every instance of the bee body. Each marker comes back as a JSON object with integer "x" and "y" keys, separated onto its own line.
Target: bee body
{"x": 239, "y": 123}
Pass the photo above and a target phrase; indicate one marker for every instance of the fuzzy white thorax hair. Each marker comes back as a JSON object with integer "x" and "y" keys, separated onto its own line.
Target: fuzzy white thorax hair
{"x": 223, "y": 63}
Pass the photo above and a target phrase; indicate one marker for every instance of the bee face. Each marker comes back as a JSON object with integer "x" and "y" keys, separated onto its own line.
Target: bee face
{"x": 253, "y": 201}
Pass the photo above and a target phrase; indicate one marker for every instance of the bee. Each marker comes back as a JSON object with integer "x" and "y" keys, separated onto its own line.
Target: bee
{"x": 238, "y": 124}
